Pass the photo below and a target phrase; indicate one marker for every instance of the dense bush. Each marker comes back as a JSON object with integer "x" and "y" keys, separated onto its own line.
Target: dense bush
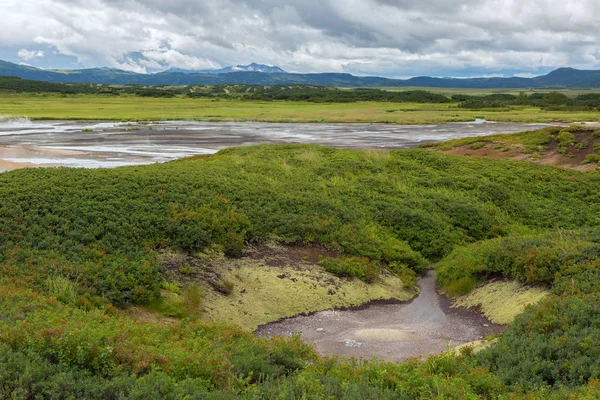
{"x": 557, "y": 343}
{"x": 353, "y": 267}
{"x": 532, "y": 259}
{"x": 75, "y": 243}
{"x": 99, "y": 228}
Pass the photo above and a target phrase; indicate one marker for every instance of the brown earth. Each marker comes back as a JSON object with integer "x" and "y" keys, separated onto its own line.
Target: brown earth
{"x": 572, "y": 159}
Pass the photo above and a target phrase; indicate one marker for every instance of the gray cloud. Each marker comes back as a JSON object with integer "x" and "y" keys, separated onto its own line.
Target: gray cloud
{"x": 391, "y": 37}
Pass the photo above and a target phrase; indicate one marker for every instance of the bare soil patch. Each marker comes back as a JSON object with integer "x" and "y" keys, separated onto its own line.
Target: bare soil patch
{"x": 573, "y": 158}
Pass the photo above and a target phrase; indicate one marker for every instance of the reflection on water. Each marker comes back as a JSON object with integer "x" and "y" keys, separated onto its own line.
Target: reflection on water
{"x": 110, "y": 144}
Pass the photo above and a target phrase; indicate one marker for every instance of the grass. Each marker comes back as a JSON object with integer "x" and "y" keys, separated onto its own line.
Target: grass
{"x": 62, "y": 288}
{"x": 528, "y": 140}
{"x": 94, "y": 107}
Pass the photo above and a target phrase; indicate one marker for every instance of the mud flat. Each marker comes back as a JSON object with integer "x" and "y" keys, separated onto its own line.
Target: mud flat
{"x": 392, "y": 332}
{"x": 103, "y": 144}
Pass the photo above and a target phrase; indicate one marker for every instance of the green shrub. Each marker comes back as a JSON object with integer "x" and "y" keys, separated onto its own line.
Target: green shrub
{"x": 408, "y": 276}
{"x": 591, "y": 159}
{"x": 534, "y": 258}
{"x": 478, "y": 145}
{"x": 62, "y": 289}
{"x": 565, "y": 139}
{"x": 554, "y": 344}
{"x": 582, "y": 145}
{"x": 351, "y": 267}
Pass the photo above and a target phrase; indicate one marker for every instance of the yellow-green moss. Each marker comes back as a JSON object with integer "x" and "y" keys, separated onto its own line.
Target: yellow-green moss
{"x": 501, "y": 302}
{"x": 261, "y": 295}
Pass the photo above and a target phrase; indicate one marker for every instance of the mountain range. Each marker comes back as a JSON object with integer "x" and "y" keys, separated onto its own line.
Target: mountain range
{"x": 258, "y": 74}
{"x": 254, "y": 67}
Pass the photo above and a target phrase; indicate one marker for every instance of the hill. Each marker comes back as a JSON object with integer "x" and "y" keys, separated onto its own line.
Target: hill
{"x": 256, "y": 74}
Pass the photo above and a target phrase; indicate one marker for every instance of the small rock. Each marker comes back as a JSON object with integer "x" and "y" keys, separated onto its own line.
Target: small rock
{"x": 352, "y": 343}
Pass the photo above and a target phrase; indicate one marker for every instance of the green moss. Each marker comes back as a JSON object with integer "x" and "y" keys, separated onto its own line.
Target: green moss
{"x": 264, "y": 293}
{"x": 501, "y": 302}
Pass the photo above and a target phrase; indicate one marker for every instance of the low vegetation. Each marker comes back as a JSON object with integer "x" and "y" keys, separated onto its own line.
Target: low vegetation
{"x": 553, "y": 343}
{"x": 79, "y": 248}
{"x": 550, "y": 101}
{"x": 285, "y": 103}
{"x": 573, "y": 147}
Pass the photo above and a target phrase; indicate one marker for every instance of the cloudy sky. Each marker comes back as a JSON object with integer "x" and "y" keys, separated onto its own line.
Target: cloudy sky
{"x": 395, "y": 38}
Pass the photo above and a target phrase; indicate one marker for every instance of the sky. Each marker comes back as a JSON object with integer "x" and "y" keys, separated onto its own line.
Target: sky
{"x": 393, "y": 38}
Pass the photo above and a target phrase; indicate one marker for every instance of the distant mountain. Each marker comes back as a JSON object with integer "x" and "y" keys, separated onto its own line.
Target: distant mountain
{"x": 570, "y": 77}
{"x": 254, "y": 67}
{"x": 257, "y": 74}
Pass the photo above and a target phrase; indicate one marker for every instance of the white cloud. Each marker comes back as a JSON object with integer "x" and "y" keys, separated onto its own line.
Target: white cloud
{"x": 391, "y": 37}
{"x": 27, "y": 55}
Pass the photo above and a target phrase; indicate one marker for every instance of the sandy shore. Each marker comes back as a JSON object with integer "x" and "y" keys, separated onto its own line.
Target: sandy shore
{"x": 8, "y": 153}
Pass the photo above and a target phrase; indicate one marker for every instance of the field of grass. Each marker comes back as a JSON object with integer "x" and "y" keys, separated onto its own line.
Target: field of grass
{"x": 97, "y": 107}
{"x": 79, "y": 248}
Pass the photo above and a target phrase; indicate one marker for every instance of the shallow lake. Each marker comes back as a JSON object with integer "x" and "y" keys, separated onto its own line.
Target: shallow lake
{"x": 110, "y": 144}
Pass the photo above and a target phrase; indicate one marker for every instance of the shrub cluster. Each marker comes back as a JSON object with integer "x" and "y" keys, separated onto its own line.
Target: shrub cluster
{"x": 75, "y": 243}
{"x": 552, "y": 344}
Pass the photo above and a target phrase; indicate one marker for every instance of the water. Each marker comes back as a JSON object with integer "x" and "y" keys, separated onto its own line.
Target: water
{"x": 110, "y": 144}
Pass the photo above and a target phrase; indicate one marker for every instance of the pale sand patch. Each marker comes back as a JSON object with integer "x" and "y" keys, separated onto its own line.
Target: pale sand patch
{"x": 10, "y": 166}
{"x": 31, "y": 152}
{"x": 386, "y": 335}
{"x": 501, "y": 302}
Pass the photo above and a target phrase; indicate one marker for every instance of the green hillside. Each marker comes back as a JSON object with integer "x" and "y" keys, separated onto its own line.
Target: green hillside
{"x": 80, "y": 249}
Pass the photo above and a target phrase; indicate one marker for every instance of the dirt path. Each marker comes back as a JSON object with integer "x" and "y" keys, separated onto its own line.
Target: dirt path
{"x": 391, "y": 332}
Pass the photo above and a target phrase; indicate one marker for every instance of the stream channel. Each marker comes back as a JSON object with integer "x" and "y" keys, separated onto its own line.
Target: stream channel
{"x": 392, "y": 332}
